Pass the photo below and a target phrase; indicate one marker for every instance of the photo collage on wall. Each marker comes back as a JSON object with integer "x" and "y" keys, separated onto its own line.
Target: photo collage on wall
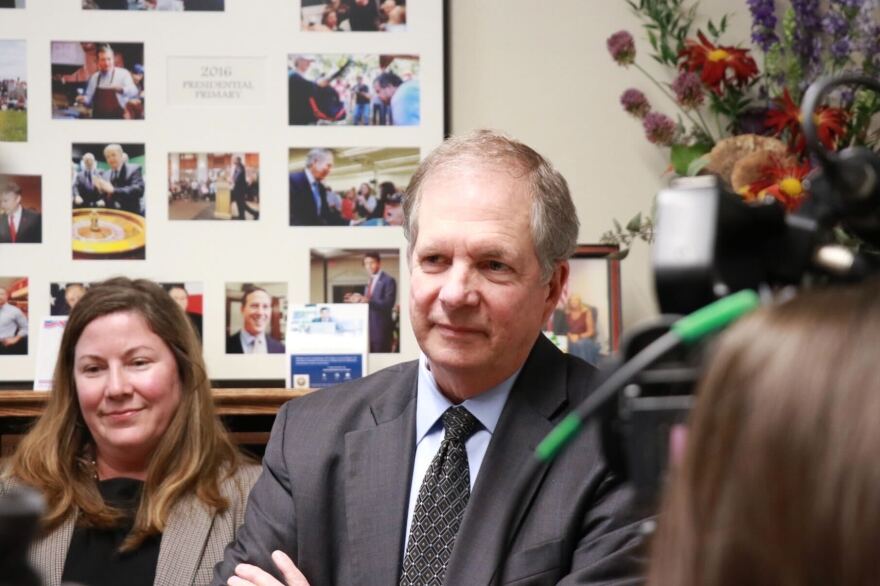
{"x": 144, "y": 162}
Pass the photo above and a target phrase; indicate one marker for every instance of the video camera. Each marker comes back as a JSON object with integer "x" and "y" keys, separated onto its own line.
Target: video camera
{"x": 709, "y": 244}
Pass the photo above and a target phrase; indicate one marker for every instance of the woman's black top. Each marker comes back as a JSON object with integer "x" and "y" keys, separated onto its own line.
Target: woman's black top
{"x": 94, "y": 559}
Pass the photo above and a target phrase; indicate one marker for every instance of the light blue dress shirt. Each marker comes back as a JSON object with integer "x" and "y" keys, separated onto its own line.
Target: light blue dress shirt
{"x": 430, "y": 406}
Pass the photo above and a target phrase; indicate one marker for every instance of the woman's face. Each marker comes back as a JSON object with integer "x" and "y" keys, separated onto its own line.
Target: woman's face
{"x": 574, "y": 302}
{"x": 128, "y": 388}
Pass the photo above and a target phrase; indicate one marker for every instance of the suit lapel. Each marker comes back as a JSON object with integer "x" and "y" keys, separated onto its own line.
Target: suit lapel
{"x": 376, "y": 492}
{"x": 183, "y": 542}
{"x": 49, "y": 553}
{"x": 539, "y": 392}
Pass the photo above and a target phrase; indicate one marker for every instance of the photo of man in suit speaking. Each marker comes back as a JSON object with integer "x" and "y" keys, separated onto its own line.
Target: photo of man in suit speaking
{"x": 381, "y": 295}
{"x": 308, "y": 194}
{"x": 411, "y": 475}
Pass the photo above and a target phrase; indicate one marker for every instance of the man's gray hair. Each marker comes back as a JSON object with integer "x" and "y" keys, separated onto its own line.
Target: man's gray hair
{"x": 554, "y": 220}
{"x": 316, "y": 155}
{"x": 114, "y": 147}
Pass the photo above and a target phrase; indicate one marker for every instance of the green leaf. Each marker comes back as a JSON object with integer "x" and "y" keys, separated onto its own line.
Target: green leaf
{"x": 617, "y": 225}
{"x": 697, "y": 165}
{"x": 681, "y": 156}
{"x": 635, "y": 223}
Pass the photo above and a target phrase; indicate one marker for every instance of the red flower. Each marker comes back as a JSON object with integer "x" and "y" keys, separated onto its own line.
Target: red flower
{"x": 830, "y": 122}
{"x": 718, "y": 66}
{"x": 782, "y": 181}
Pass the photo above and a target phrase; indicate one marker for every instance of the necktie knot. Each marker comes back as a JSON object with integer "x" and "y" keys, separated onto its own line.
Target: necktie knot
{"x": 459, "y": 424}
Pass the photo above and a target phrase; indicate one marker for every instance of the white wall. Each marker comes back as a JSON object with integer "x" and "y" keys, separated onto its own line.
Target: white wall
{"x": 540, "y": 71}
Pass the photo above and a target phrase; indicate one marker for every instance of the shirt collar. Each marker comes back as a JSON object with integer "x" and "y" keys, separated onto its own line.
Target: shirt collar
{"x": 431, "y": 403}
{"x": 247, "y": 337}
{"x": 310, "y": 177}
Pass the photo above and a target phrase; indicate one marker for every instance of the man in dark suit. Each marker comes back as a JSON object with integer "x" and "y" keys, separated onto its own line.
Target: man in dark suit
{"x": 411, "y": 475}
{"x": 85, "y": 194}
{"x": 122, "y": 185}
{"x": 256, "y": 313}
{"x": 239, "y": 189}
{"x": 308, "y": 194}
{"x": 17, "y": 224}
{"x": 178, "y": 292}
{"x": 381, "y": 294}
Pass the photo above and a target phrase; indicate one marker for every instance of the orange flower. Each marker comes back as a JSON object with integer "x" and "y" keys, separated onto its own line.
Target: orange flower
{"x": 781, "y": 181}
{"x": 717, "y": 65}
{"x": 830, "y": 122}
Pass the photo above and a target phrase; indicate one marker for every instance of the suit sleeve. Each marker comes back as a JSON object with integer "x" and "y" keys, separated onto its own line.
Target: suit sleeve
{"x": 270, "y": 518}
{"x": 611, "y": 550}
{"x": 132, "y": 191}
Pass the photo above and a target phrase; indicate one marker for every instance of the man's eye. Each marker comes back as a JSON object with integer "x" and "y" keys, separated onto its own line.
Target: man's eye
{"x": 494, "y": 265}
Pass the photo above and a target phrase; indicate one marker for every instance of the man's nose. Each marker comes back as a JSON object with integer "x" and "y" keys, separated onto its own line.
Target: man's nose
{"x": 460, "y": 287}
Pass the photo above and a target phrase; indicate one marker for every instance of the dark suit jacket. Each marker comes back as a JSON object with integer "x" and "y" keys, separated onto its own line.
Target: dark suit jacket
{"x": 85, "y": 188}
{"x": 30, "y": 228}
{"x": 299, "y": 91}
{"x": 382, "y": 299}
{"x": 233, "y": 344}
{"x": 129, "y": 188}
{"x": 303, "y": 211}
{"x": 239, "y": 184}
{"x": 336, "y": 479}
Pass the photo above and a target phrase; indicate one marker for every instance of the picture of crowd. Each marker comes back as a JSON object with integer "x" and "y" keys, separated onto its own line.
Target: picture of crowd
{"x": 357, "y": 186}
{"x": 354, "y": 15}
{"x": 13, "y": 91}
{"x": 98, "y": 81}
{"x": 213, "y": 186}
{"x": 169, "y": 5}
{"x": 355, "y": 90}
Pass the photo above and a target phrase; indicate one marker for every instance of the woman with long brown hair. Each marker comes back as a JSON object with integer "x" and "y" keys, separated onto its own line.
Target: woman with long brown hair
{"x": 779, "y": 484}
{"x": 141, "y": 482}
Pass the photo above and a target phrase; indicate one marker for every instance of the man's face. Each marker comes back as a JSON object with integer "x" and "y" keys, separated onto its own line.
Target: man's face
{"x": 302, "y": 65}
{"x": 257, "y": 311}
{"x": 372, "y": 265}
{"x": 477, "y": 300}
{"x": 180, "y": 297}
{"x": 114, "y": 158}
{"x": 9, "y": 202}
{"x": 105, "y": 61}
{"x": 393, "y": 214}
{"x": 72, "y": 295}
{"x": 89, "y": 163}
{"x": 321, "y": 168}
{"x": 4, "y": 296}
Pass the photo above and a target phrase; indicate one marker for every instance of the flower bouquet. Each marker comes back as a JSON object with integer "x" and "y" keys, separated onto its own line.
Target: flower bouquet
{"x": 741, "y": 121}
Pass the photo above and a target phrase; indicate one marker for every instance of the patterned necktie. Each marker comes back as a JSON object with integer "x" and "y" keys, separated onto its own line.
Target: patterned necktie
{"x": 440, "y": 507}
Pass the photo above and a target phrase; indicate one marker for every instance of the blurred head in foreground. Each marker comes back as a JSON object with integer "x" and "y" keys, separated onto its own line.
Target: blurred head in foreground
{"x": 779, "y": 484}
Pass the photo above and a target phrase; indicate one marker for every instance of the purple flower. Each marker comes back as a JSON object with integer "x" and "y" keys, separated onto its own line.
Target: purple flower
{"x": 807, "y": 42}
{"x": 763, "y": 23}
{"x": 635, "y": 102}
{"x": 688, "y": 90}
{"x": 622, "y": 47}
{"x": 659, "y": 128}
{"x": 835, "y": 24}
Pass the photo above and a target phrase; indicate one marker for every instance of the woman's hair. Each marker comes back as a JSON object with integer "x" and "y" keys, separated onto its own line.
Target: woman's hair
{"x": 193, "y": 455}
{"x": 780, "y": 483}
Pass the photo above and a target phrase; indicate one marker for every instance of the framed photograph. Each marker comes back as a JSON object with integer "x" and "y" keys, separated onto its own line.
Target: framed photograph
{"x": 13, "y": 91}
{"x": 213, "y": 186}
{"x": 64, "y": 296}
{"x": 368, "y": 276}
{"x": 354, "y": 186}
{"x": 14, "y": 311}
{"x": 21, "y": 209}
{"x": 256, "y": 318}
{"x": 190, "y": 297}
{"x": 108, "y": 213}
{"x": 353, "y": 90}
{"x": 164, "y": 5}
{"x": 98, "y": 81}
{"x": 353, "y": 16}
{"x": 587, "y": 320}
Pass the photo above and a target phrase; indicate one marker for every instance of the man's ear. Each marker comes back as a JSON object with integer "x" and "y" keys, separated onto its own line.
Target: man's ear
{"x": 555, "y": 287}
